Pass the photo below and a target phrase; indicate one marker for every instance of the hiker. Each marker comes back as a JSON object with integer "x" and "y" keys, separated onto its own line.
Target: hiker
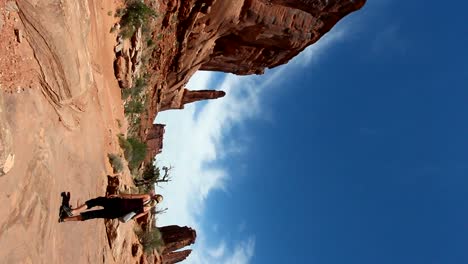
{"x": 130, "y": 206}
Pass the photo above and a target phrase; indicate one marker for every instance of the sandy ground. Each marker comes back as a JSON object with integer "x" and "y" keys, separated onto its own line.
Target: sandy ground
{"x": 60, "y": 136}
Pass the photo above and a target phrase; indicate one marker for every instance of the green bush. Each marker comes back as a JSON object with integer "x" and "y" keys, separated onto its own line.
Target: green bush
{"x": 134, "y": 151}
{"x": 134, "y": 107}
{"x": 145, "y": 182}
{"x": 151, "y": 172}
{"x": 134, "y": 16}
{"x": 116, "y": 162}
{"x": 149, "y": 42}
{"x": 138, "y": 153}
{"x": 126, "y": 146}
{"x": 126, "y": 93}
{"x": 140, "y": 84}
{"x": 151, "y": 239}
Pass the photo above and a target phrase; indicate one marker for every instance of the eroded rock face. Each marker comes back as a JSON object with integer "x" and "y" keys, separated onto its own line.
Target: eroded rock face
{"x": 123, "y": 72}
{"x": 245, "y": 37}
{"x": 62, "y": 52}
{"x": 185, "y": 96}
{"x": 151, "y": 258}
{"x": 177, "y": 237}
{"x": 154, "y": 142}
{"x": 240, "y": 37}
{"x": 175, "y": 257}
{"x": 127, "y": 65}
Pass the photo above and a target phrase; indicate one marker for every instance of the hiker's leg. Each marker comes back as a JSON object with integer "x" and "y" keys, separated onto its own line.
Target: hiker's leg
{"x": 102, "y": 213}
{"x": 73, "y": 218}
{"x": 79, "y": 209}
{"x": 99, "y": 201}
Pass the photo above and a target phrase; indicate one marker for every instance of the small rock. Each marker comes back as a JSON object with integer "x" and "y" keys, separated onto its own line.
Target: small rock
{"x": 9, "y": 162}
{"x": 118, "y": 48}
{"x": 19, "y": 35}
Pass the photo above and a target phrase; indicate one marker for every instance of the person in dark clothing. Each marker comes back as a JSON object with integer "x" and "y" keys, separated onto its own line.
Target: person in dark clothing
{"x": 114, "y": 206}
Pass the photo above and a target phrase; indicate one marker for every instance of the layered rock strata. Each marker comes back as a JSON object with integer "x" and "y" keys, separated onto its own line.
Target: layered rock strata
{"x": 241, "y": 37}
{"x": 175, "y": 238}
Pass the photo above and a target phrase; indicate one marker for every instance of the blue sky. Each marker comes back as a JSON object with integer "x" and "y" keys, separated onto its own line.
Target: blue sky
{"x": 355, "y": 152}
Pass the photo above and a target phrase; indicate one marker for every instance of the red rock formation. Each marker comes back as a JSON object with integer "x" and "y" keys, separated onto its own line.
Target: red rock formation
{"x": 176, "y": 237}
{"x": 193, "y": 96}
{"x": 185, "y": 96}
{"x": 154, "y": 142}
{"x": 152, "y": 257}
{"x": 241, "y": 37}
{"x": 175, "y": 257}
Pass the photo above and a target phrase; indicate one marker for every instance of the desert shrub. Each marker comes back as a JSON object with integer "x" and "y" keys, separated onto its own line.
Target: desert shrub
{"x": 134, "y": 106}
{"x": 140, "y": 84}
{"x": 149, "y": 42}
{"x": 116, "y": 162}
{"x": 126, "y": 146}
{"x": 151, "y": 239}
{"x": 138, "y": 153}
{"x": 150, "y": 175}
{"x": 134, "y": 151}
{"x": 125, "y": 93}
{"x": 145, "y": 189}
{"x": 151, "y": 172}
{"x": 134, "y": 16}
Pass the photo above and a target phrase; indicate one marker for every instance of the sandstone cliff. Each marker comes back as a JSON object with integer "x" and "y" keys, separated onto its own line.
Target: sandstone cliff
{"x": 175, "y": 238}
{"x": 240, "y": 37}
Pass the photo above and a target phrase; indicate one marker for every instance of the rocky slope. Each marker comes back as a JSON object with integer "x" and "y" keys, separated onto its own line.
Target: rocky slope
{"x": 59, "y": 101}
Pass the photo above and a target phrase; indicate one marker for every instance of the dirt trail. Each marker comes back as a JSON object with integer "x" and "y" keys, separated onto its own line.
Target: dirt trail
{"x": 59, "y": 103}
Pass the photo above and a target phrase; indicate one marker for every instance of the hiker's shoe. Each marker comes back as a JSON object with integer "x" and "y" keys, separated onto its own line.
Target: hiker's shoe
{"x": 67, "y": 210}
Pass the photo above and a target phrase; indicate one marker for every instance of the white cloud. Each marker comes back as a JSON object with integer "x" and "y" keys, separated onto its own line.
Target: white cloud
{"x": 219, "y": 251}
{"x": 195, "y": 141}
{"x": 243, "y": 253}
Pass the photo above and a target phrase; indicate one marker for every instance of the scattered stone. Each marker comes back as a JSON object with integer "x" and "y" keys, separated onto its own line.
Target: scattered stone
{"x": 19, "y": 35}
{"x": 122, "y": 67}
{"x": 118, "y": 48}
{"x": 9, "y": 162}
{"x": 127, "y": 65}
